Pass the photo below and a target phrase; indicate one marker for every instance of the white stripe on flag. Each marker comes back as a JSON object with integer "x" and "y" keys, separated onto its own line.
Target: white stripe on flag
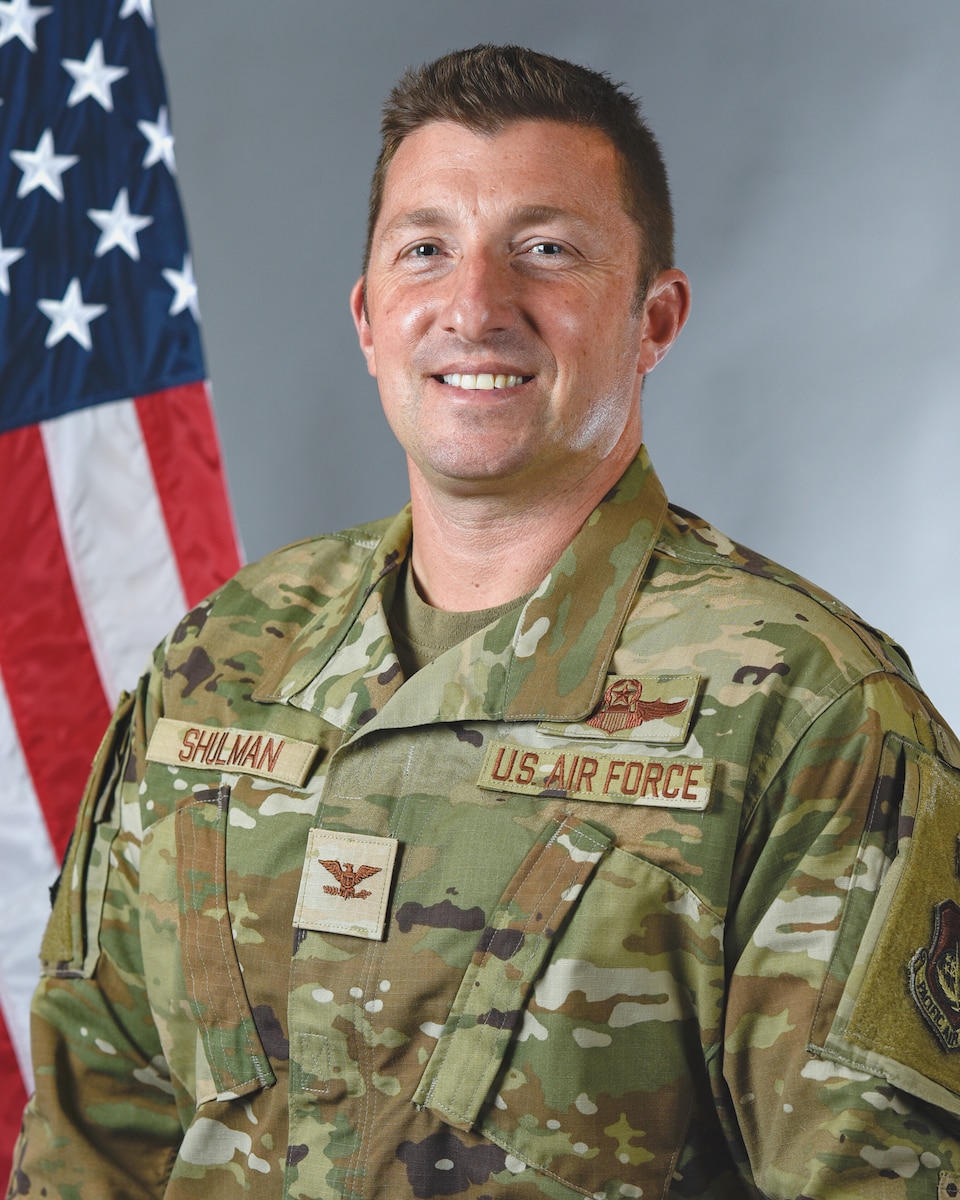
{"x": 29, "y": 867}
{"x": 112, "y": 526}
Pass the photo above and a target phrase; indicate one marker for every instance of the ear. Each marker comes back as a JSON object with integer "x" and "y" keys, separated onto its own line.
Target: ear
{"x": 666, "y": 307}
{"x": 358, "y": 310}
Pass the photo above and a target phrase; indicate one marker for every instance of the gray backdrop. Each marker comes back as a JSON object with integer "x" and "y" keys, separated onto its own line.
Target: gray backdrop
{"x": 809, "y": 408}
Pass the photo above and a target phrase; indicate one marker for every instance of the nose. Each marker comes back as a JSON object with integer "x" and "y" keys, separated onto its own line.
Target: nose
{"x": 480, "y": 299}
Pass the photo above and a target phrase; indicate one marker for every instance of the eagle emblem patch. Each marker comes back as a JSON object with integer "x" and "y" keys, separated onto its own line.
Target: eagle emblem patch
{"x": 347, "y": 878}
{"x": 935, "y": 976}
{"x": 346, "y": 907}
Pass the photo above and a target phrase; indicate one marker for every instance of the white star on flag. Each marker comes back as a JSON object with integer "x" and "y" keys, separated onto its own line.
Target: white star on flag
{"x": 42, "y": 167}
{"x": 143, "y": 7}
{"x": 119, "y": 227}
{"x": 19, "y": 20}
{"x": 160, "y": 138}
{"x": 70, "y": 316}
{"x": 8, "y": 257}
{"x": 93, "y": 77}
{"x": 185, "y": 288}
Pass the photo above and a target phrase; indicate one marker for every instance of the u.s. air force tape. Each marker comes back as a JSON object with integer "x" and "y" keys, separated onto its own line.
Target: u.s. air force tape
{"x": 246, "y": 751}
{"x": 607, "y": 778}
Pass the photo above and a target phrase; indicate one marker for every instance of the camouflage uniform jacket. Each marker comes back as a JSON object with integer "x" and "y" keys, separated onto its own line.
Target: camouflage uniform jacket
{"x": 650, "y": 892}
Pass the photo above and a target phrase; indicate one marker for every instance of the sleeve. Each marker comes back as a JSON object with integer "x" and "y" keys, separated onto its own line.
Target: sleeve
{"x": 103, "y": 1120}
{"x": 841, "y": 1061}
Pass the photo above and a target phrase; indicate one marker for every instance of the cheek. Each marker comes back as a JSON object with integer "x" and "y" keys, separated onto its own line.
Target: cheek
{"x": 594, "y": 353}
{"x": 401, "y": 312}
{"x": 592, "y": 335}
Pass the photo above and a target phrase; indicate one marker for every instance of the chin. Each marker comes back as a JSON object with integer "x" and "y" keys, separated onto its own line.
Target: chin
{"x": 473, "y": 465}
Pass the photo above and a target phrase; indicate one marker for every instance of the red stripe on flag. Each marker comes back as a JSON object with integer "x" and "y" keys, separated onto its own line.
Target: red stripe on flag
{"x": 13, "y": 1097}
{"x": 51, "y": 678}
{"x": 184, "y": 451}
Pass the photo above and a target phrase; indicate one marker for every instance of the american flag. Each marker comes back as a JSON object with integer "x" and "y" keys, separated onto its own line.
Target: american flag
{"x": 113, "y": 511}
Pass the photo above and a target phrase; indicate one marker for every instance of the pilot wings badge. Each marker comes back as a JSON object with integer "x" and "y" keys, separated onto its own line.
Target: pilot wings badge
{"x": 622, "y": 708}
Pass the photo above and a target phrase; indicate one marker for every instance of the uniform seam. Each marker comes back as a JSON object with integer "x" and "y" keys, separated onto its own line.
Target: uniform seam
{"x": 444, "y": 1054}
{"x": 636, "y": 855}
{"x": 845, "y": 916}
{"x": 797, "y": 585}
{"x": 220, "y": 879}
{"x": 486, "y": 954}
{"x": 504, "y": 1144}
{"x": 796, "y": 730}
{"x": 214, "y": 1029}
{"x": 365, "y": 1053}
{"x": 502, "y": 988}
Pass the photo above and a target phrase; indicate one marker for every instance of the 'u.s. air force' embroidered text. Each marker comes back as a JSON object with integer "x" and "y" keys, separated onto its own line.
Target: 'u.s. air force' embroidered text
{"x": 611, "y": 778}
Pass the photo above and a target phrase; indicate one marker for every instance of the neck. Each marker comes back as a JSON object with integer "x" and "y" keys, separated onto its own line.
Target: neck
{"x": 473, "y": 551}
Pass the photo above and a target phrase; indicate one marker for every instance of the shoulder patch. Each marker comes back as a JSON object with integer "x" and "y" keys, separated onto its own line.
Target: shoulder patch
{"x": 935, "y": 976}
{"x": 899, "y": 1015}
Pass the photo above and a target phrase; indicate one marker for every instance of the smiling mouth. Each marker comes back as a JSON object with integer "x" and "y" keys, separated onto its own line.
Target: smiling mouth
{"x": 484, "y": 382}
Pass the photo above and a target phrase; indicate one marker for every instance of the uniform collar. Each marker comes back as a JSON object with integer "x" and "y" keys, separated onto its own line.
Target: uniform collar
{"x": 550, "y": 663}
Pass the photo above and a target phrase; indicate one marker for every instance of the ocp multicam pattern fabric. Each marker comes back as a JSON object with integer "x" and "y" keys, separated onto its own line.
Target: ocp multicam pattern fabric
{"x": 594, "y": 990}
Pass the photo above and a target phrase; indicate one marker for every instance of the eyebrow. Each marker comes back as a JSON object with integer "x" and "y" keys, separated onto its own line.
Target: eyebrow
{"x": 416, "y": 218}
{"x": 439, "y": 218}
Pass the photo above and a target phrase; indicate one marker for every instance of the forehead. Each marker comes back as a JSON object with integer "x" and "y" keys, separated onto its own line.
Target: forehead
{"x": 545, "y": 164}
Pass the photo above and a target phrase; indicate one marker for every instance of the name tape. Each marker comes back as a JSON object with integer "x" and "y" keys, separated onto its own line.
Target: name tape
{"x": 246, "y": 751}
{"x": 607, "y": 778}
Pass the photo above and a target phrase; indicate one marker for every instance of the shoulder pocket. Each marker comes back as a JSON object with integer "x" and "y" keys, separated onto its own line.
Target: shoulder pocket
{"x": 898, "y": 1016}
{"x": 70, "y": 946}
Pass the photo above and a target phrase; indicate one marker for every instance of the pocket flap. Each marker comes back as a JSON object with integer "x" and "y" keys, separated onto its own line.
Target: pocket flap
{"x": 71, "y": 943}
{"x": 509, "y": 956}
{"x": 235, "y": 1056}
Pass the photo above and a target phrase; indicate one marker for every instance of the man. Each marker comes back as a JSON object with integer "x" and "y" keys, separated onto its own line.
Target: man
{"x": 540, "y": 841}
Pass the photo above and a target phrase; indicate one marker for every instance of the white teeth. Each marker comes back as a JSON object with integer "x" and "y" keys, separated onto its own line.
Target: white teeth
{"x": 482, "y": 383}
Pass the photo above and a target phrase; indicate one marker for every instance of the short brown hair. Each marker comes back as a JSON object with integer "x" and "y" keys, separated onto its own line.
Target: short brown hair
{"x": 487, "y": 87}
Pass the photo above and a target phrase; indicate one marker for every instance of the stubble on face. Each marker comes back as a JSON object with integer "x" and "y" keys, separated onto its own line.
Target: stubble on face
{"x": 505, "y": 256}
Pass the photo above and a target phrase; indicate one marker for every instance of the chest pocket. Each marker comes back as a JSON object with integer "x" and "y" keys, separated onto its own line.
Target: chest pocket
{"x": 577, "y": 1049}
{"x": 511, "y": 953}
{"x": 228, "y": 1057}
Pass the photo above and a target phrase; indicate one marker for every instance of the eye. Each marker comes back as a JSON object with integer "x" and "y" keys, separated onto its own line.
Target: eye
{"x": 551, "y": 249}
{"x": 424, "y": 250}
